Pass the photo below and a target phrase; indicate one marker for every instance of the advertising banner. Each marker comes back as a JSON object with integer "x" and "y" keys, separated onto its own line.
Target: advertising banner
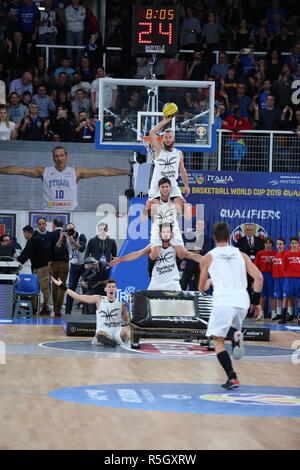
{"x": 250, "y": 184}
{"x": 270, "y": 201}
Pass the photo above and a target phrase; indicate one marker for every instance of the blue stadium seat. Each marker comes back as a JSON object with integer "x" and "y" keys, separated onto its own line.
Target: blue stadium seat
{"x": 28, "y": 286}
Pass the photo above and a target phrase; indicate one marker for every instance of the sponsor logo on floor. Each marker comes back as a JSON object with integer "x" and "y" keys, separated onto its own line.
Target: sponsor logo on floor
{"x": 248, "y": 400}
{"x": 171, "y": 348}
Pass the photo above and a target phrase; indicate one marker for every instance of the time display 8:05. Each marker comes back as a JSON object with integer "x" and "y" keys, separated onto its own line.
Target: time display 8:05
{"x": 153, "y": 14}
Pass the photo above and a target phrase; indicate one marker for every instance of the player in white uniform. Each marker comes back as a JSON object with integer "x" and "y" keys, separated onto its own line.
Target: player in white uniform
{"x": 168, "y": 163}
{"x": 111, "y": 314}
{"x": 60, "y": 181}
{"x": 165, "y": 274}
{"x": 228, "y": 268}
{"x": 165, "y": 210}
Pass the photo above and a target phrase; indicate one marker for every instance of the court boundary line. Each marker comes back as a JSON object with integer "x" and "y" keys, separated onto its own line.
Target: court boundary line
{"x": 168, "y": 355}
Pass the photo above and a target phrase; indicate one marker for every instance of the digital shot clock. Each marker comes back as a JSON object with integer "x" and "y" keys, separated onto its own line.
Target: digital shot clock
{"x": 155, "y": 31}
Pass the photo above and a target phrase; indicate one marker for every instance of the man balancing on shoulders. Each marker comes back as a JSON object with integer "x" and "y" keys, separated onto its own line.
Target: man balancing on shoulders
{"x": 163, "y": 260}
{"x": 168, "y": 162}
{"x": 164, "y": 210}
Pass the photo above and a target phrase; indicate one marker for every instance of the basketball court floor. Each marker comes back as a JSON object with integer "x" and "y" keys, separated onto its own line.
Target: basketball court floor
{"x": 60, "y": 392}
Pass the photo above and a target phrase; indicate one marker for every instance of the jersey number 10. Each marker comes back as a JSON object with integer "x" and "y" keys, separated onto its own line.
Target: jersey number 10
{"x": 59, "y": 193}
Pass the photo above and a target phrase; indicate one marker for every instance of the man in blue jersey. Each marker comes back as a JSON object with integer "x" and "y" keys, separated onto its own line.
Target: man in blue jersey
{"x": 28, "y": 18}
{"x": 60, "y": 181}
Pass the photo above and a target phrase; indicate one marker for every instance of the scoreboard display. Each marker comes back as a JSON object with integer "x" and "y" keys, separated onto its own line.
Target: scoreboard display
{"x": 155, "y": 30}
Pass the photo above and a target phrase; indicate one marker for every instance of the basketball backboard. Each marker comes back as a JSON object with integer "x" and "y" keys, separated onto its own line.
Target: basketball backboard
{"x": 129, "y": 108}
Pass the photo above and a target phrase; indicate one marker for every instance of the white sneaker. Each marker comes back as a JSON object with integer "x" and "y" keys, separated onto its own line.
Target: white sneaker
{"x": 260, "y": 317}
{"x": 239, "y": 350}
{"x": 94, "y": 340}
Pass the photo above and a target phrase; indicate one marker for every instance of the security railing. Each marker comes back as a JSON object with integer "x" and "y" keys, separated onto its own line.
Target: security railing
{"x": 109, "y": 48}
{"x": 261, "y": 151}
{"x": 55, "y": 46}
{"x": 234, "y": 53}
{"x": 65, "y": 46}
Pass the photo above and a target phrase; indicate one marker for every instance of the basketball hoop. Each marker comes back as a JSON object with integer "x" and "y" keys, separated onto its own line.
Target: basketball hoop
{"x": 148, "y": 146}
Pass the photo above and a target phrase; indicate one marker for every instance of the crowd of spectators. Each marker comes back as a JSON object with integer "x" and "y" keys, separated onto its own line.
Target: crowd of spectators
{"x": 58, "y": 102}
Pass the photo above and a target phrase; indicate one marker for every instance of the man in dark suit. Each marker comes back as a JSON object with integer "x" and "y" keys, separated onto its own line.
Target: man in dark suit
{"x": 46, "y": 236}
{"x": 44, "y": 233}
{"x": 35, "y": 251}
{"x": 251, "y": 245}
{"x": 19, "y": 56}
{"x": 200, "y": 244}
{"x": 59, "y": 264}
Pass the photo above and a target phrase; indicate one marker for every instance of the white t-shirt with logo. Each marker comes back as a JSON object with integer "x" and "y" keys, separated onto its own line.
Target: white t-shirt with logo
{"x": 165, "y": 274}
{"x": 109, "y": 314}
{"x": 166, "y": 165}
{"x": 165, "y": 212}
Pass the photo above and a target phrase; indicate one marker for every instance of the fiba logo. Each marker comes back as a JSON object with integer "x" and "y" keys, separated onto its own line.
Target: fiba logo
{"x": 73, "y": 329}
{"x": 199, "y": 178}
{"x": 108, "y": 126}
{"x": 201, "y": 131}
{"x": 239, "y": 232}
{"x": 252, "y": 399}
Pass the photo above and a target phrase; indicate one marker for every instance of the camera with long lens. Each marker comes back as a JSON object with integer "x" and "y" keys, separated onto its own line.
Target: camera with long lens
{"x": 69, "y": 232}
{"x": 91, "y": 275}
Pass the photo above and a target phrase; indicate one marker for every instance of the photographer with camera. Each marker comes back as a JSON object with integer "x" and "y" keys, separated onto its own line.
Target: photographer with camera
{"x": 75, "y": 243}
{"x": 93, "y": 283}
